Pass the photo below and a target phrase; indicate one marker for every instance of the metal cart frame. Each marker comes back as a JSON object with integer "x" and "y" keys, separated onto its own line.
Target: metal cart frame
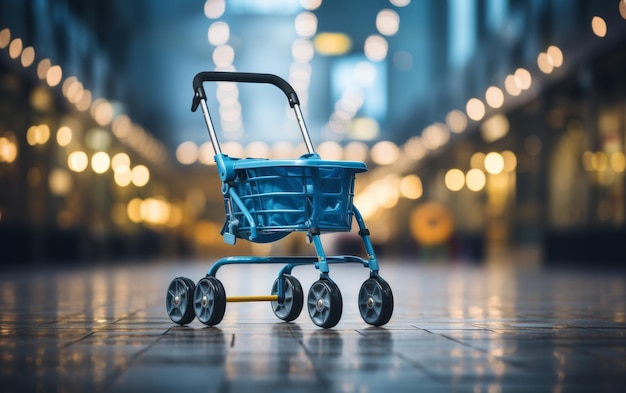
{"x": 264, "y": 201}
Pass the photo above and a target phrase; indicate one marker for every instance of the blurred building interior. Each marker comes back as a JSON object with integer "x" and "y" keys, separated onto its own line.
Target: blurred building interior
{"x": 490, "y": 127}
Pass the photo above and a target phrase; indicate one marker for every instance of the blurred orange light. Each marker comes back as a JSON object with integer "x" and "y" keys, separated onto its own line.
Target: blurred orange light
{"x": 133, "y": 210}
{"x": 59, "y": 182}
{"x": 54, "y": 75}
{"x": 544, "y": 61}
{"x": 15, "y": 48}
{"x": 5, "y": 38}
{"x": 42, "y": 68}
{"x": 411, "y": 187}
{"x": 555, "y": 55}
{"x": 477, "y": 160}
{"x": 598, "y": 25}
{"x": 618, "y": 162}
{"x": 8, "y": 150}
{"x": 28, "y": 56}
{"x": 510, "y": 161}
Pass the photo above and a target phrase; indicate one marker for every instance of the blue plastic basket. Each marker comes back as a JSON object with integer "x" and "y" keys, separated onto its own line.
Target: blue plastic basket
{"x": 293, "y": 195}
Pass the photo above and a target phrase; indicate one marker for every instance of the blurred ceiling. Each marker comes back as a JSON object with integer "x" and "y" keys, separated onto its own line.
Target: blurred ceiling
{"x": 364, "y": 70}
{"x": 169, "y": 45}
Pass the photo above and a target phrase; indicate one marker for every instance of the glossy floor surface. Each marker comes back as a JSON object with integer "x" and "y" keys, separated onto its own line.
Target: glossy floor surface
{"x": 454, "y": 328}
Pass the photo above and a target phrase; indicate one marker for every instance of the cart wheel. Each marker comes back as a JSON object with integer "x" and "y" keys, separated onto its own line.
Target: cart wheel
{"x": 178, "y": 300}
{"x": 209, "y": 301}
{"x": 375, "y": 301}
{"x": 325, "y": 304}
{"x": 291, "y": 307}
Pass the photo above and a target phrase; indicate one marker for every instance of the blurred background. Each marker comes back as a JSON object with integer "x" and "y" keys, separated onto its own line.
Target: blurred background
{"x": 494, "y": 130}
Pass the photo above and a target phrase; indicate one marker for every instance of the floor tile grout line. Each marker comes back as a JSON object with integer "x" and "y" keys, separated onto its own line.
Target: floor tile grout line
{"x": 319, "y": 373}
{"x": 520, "y": 365}
{"x": 413, "y": 364}
{"x": 118, "y": 371}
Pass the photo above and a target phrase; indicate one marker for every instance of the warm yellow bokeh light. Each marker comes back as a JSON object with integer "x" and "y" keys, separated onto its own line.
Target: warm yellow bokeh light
{"x": 494, "y": 163}
{"x": 120, "y": 161}
{"x": 77, "y": 161}
{"x": 133, "y": 209}
{"x": 332, "y": 44}
{"x": 122, "y": 176}
{"x": 140, "y": 175}
{"x": 454, "y": 179}
{"x": 64, "y": 136}
{"x": 38, "y": 135}
{"x": 478, "y": 160}
{"x": 475, "y": 179}
{"x": 100, "y": 162}
{"x": 618, "y": 162}
{"x": 59, "y": 182}
{"x": 8, "y": 150}
{"x": 154, "y": 211}
{"x": 510, "y": 161}
{"x": 411, "y": 187}
{"x": 384, "y": 153}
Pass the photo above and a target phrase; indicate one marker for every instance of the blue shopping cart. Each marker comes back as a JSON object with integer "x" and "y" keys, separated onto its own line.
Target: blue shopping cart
{"x": 265, "y": 200}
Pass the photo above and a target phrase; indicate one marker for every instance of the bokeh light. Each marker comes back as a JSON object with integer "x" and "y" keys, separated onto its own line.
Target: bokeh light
{"x": 454, "y": 179}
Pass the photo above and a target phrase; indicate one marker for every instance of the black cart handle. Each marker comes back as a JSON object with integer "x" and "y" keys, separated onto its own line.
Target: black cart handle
{"x": 218, "y": 76}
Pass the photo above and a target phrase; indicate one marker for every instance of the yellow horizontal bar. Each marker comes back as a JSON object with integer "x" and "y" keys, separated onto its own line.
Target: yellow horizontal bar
{"x": 238, "y": 299}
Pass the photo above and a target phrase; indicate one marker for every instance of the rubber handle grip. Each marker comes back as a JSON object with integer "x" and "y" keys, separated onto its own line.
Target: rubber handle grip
{"x": 248, "y": 77}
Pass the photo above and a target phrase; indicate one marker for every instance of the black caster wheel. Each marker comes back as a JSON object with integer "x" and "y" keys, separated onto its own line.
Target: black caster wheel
{"x": 324, "y": 303}
{"x": 178, "y": 300}
{"x": 375, "y": 301}
{"x": 209, "y": 301}
{"x": 291, "y": 306}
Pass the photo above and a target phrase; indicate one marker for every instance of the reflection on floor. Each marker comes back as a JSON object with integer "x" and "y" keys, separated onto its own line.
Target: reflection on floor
{"x": 462, "y": 328}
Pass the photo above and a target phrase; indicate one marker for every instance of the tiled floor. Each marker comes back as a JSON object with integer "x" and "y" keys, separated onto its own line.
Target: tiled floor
{"x": 454, "y": 328}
